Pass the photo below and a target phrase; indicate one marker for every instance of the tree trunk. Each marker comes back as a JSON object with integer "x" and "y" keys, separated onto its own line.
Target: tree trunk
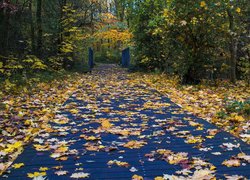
{"x": 120, "y": 10}
{"x": 39, "y": 28}
{"x": 32, "y": 29}
{"x": 233, "y": 48}
{"x": 6, "y": 34}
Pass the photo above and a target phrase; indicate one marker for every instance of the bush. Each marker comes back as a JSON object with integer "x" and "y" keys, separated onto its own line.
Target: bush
{"x": 190, "y": 38}
{"x": 238, "y": 107}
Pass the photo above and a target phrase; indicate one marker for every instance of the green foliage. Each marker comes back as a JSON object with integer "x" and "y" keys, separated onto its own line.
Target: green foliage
{"x": 31, "y": 62}
{"x": 108, "y": 56}
{"x": 189, "y": 38}
{"x": 22, "y": 81}
{"x": 238, "y": 107}
{"x": 42, "y": 36}
{"x": 244, "y": 63}
{"x": 232, "y": 107}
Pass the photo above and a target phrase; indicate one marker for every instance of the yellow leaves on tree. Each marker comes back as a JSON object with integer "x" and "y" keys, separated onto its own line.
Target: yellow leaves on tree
{"x": 169, "y": 16}
{"x": 108, "y": 33}
{"x": 203, "y": 4}
{"x": 108, "y": 18}
{"x": 1, "y": 66}
{"x": 238, "y": 10}
{"x": 114, "y": 36}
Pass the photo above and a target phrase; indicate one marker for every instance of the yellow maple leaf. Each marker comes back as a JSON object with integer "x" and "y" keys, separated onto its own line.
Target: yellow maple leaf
{"x": 101, "y": 147}
{"x": 193, "y": 140}
{"x": 28, "y": 122}
{"x": 17, "y": 144}
{"x": 210, "y": 137}
{"x": 134, "y": 144}
{"x": 40, "y": 147}
{"x": 189, "y": 108}
{"x": 231, "y": 163}
{"x": 106, "y": 124}
{"x": 12, "y": 147}
{"x": 18, "y": 165}
{"x": 137, "y": 177}
{"x": 199, "y": 128}
{"x": 212, "y": 168}
{"x": 236, "y": 118}
{"x": 62, "y": 149}
{"x": 159, "y": 178}
{"x": 124, "y": 132}
{"x": 91, "y": 138}
{"x": 203, "y": 4}
{"x": 238, "y": 10}
{"x": 43, "y": 169}
{"x": 36, "y": 174}
{"x": 74, "y": 111}
{"x": 239, "y": 118}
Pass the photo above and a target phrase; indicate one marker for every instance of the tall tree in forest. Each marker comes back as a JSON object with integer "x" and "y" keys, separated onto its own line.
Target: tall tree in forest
{"x": 120, "y": 9}
{"x": 233, "y": 46}
{"x": 32, "y": 28}
{"x": 39, "y": 44}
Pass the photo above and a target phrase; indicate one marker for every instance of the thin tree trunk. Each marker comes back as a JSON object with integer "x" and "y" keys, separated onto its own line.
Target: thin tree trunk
{"x": 233, "y": 48}
{"x": 120, "y": 10}
{"x": 32, "y": 29}
{"x": 61, "y": 29}
{"x": 5, "y": 35}
{"x": 39, "y": 28}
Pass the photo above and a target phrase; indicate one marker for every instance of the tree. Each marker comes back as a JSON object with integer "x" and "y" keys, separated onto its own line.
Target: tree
{"x": 194, "y": 39}
{"x": 39, "y": 28}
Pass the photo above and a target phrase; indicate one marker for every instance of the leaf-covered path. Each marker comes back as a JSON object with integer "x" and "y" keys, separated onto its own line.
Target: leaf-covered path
{"x": 115, "y": 127}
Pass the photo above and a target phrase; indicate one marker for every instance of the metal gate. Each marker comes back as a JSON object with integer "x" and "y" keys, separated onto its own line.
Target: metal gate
{"x": 126, "y": 57}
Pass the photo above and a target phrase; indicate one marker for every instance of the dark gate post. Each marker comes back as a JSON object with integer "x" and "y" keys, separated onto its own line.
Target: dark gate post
{"x": 91, "y": 58}
{"x": 125, "y": 58}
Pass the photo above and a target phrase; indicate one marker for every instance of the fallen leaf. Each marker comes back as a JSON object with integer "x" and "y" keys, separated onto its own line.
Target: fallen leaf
{"x": 137, "y": 177}
{"x": 231, "y": 163}
{"x": 43, "y": 169}
{"x": 80, "y": 175}
{"x": 17, "y": 166}
{"x": 36, "y": 174}
{"x": 61, "y": 173}
{"x": 106, "y": 124}
{"x": 134, "y": 144}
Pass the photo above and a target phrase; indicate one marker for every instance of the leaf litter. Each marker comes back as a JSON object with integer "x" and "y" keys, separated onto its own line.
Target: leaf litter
{"x": 136, "y": 117}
